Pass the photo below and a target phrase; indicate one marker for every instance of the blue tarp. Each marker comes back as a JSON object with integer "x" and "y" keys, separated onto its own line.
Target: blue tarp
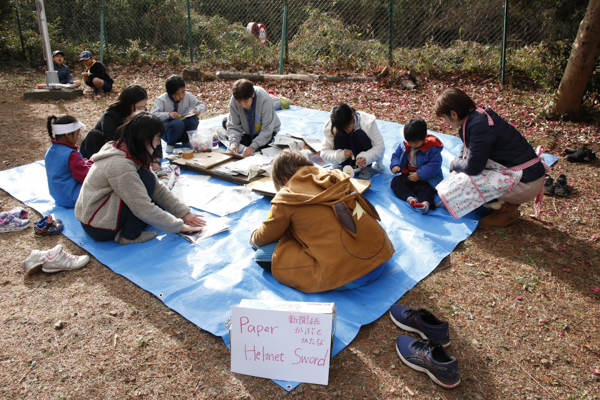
{"x": 203, "y": 281}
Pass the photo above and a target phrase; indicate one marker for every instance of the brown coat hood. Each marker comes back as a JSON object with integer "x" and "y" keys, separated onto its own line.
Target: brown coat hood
{"x": 328, "y": 233}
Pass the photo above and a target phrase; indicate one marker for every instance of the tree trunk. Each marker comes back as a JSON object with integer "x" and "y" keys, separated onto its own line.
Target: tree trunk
{"x": 581, "y": 64}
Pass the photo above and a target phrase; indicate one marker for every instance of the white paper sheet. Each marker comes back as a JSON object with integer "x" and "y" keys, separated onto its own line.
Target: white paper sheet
{"x": 216, "y": 199}
{"x": 212, "y": 227}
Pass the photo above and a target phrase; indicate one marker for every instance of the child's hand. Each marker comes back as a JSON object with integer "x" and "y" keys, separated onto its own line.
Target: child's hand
{"x": 361, "y": 161}
{"x": 186, "y": 228}
{"x": 233, "y": 149}
{"x": 85, "y": 74}
{"x": 348, "y": 153}
{"x": 198, "y": 112}
{"x": 248, "y": 151}
{"x": 174, "y": 114}
{"x": 413, "y": 177}
{"x": 452, "y": 165}
{"x": 193, "y": 220}
{"x": 395, "y": 170}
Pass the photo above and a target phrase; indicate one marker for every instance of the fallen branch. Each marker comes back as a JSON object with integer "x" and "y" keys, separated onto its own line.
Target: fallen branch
{"x": 300, "y": 77}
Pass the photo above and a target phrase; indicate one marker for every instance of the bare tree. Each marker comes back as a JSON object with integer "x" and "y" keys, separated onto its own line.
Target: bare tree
{"x": 580, "y": 65}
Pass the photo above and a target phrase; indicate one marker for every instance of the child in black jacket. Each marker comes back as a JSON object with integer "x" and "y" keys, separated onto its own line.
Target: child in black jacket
{"x": 95, "y": 75}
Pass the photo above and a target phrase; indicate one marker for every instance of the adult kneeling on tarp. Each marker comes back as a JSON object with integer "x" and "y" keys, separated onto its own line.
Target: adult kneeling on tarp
{"x": 321, "y": 234}
{"x": 496, "y": 162}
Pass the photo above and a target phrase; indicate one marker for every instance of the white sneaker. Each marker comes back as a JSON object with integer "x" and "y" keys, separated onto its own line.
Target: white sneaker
{"x": 37, "y": 257}
{"x": 63, "y": 261}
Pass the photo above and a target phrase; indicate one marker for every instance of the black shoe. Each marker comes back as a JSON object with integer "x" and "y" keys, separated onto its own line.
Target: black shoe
{"x": 548, "y": 185}
{"x": 580, "y": 155}
{"x": 560, "y": 187}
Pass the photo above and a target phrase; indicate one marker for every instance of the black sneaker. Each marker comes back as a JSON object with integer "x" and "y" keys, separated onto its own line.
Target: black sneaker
{"x": 431, "y": 358}
{"x": 548, "y": 185}
{"x": 580, "y": 155}
{"x": 560, "y": 187}
{"x": 422, "y": 322}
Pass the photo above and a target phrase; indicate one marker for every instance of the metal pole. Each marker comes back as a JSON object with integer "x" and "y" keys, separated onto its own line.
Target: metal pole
{"x": 20, "y": 32}
{"x": 391, "y": 51}
{"x": 504, "y": 28}
{"x": 101, "y": 31}
{"x": 283, "y": 36}
{"x": 51, "y": 74}
{"x": 190, "y": 31}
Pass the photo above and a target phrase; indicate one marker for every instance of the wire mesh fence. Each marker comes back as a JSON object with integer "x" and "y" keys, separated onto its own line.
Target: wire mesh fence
{"x": 332, "y": 34}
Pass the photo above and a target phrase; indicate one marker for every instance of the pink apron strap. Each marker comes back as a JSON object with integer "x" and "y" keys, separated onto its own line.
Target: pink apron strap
{"x": 537, "y": 204}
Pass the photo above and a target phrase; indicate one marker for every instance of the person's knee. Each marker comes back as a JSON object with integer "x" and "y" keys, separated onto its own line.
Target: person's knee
{"x": 98, "y": 83}
{"x": 148, "y": 180}
{"x": 191, "y": 123}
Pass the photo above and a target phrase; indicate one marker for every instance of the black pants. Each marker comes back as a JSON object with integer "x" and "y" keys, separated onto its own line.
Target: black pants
{"x": 130, "y": 226}
{"x": 421, "y": 190}
{"x": 246, "y": 141}
{"x": 358, "y": 140}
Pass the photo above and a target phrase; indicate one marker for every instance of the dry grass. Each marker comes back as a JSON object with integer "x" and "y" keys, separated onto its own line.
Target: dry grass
{"x": 523, "y": 314}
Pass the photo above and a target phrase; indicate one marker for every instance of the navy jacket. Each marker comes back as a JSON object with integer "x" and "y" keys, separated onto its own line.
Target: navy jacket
{"x": 501, "y": 143}
{"x": 63, "y": 72}
{"x": 429, "y": 158}
{"x": 109, "y": 122}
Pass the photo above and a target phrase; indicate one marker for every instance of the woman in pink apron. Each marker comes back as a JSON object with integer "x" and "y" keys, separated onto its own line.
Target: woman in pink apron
{"x": 496, "y": 163}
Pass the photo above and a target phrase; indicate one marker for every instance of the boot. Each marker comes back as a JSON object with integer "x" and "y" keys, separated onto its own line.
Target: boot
{"x": 505, "y": 216}
{"x": 492, "y": 206}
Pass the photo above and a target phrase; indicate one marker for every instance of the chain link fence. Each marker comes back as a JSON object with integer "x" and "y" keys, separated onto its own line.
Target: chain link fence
{"x": 344, "y": 35}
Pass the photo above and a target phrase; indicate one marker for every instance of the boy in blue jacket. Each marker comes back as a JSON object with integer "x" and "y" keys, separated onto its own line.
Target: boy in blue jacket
{"x": 417, "y": 159}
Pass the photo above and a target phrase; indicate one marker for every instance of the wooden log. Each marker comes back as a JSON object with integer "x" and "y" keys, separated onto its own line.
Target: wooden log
{"x": 300, "y": 77}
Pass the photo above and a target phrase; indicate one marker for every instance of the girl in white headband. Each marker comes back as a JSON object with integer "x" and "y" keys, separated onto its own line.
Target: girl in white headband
{"x": 65, "y": 166}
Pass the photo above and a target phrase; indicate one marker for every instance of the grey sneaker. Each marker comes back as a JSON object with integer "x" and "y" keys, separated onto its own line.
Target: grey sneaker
{"x": 63, "y": 261}
{"x": 35, "y": 260}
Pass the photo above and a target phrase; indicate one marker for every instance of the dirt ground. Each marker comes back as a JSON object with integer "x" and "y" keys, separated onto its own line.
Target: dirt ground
{"x": 522, "y": 302}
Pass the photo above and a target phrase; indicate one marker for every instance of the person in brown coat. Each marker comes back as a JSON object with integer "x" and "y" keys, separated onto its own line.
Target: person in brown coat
{"x": 321, "y": 232}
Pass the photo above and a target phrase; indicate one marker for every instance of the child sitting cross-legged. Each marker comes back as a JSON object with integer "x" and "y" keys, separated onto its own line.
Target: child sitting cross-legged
{"x": 417, "y": 159}
{"x": 65, "y": 167}
{"x": 179, "y": 110}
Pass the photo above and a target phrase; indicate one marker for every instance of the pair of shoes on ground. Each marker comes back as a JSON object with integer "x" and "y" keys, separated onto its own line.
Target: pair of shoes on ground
{"x": 423, "y": 208}
{"x": 556, "y": 188}
{"x": 14, "y": 220}
{"x": 429, "y": 355}
{"x": 48, "y": 226}
{"x": 582, "y": 154}
{"x": 53, "y": 260}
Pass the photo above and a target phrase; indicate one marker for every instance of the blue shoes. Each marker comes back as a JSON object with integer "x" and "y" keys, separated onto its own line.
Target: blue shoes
{"x": 431, "y": 358}
{"x": 422, "y": 322}
{"x": 47, "y": 226}
{"x": 429, "y": 355}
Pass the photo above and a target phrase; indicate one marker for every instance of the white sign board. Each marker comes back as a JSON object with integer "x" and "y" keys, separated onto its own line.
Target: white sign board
{"x": 281, "y": 344}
